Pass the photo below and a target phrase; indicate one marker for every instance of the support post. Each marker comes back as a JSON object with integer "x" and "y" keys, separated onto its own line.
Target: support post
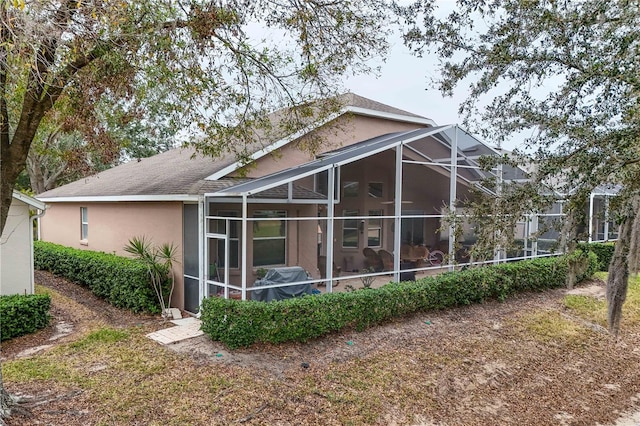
{"x": 499, "y": 249}
{"x": 202, "y": 250}
{"x": 452, "y": 196}
{"x": 244, "y": 247}
{"x": 331, "y": 190}
{"x": 606, "y": 218}
{"x": 397, "y": 215}
{"x": 591, "y": 196}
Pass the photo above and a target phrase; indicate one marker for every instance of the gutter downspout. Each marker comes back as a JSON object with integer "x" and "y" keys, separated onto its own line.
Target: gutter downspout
{"x": 31, "y": 257}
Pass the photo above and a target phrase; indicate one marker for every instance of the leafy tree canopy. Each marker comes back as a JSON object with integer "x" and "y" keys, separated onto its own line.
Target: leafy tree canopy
{"x": 564, "y": 73}
{"x": 189, "y": 66}
{"x": 67, "y": 67}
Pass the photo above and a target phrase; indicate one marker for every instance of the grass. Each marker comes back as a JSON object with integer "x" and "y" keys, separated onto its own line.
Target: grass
{"x": 103, "y": 336}
{"x": 552, "y": 326}
{"x": 595, "y": 310}
{"x": 447, "y": 373}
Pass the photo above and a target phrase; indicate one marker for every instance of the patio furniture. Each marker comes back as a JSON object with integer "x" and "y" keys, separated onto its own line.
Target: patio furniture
{"x": 387, "y": 260}
{"x": 290, "y": 274}
{"x": 420, "y": 253}
{"x": 322, "y": 266}
{"x": 406, "y": 251}
{"x": 372, "y": 259}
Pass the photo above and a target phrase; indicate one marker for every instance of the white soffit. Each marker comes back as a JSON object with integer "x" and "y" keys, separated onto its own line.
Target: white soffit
{"x": 36, "y": 204}
{"x": 119, "y": 198}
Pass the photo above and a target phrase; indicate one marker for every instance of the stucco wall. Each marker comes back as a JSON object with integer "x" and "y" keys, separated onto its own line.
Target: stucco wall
{"x": 15, "y": 251}
{"x": 111, "y": 225}
{"x": 345, "y": 130}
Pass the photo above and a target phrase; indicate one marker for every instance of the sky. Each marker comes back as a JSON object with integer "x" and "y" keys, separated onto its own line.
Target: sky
{"x": 404, "y": 82}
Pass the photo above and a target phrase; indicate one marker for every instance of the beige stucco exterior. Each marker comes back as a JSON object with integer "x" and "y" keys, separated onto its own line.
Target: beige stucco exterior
{"x": 16, "y": 245}
{"x": 112, "y": 224}
{"x": 344, "y": 131}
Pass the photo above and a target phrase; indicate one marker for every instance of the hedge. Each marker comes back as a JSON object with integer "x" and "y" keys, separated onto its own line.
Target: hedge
{"x": 604, "y": 251}
{"x": 122, "y": 281}
{"x": 23, "y": 314}
{"x": 239, "y": 323}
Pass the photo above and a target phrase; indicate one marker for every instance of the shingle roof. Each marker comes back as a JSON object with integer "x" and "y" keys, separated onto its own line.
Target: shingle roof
{"x": 171, "y": 172}
{"x": 179, "y": 171}
{"x": 352, "y": 99}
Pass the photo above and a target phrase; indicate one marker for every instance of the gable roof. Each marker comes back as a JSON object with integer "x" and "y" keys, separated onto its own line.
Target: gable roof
{"x": 183, "y": 174}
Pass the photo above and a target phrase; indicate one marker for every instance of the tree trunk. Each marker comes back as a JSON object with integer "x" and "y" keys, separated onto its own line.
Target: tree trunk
{"x": 618, "y": 279}
{"x": 34, "y": 170}
{"x": 6, "y": 401}
{"x": 568, "y": 245}
{"x": 13, "y": 158}
{"x": 10, "y": 167}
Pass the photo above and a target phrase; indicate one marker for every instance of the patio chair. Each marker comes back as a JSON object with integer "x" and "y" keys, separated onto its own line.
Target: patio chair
{"x": 406, "y": 252}
{"x": 322, "y": 267}
{"x": 387, "y": 260}
{"x": 372, "y": 259}
{"x": 420, "y": 253}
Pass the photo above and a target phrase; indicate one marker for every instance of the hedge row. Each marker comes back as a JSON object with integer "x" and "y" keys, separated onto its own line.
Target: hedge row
{"x": 604, "y": 251}
{"x": 23, "y": 314}
{"x": 242, "y": 323}
{"x": 122, "y": 281}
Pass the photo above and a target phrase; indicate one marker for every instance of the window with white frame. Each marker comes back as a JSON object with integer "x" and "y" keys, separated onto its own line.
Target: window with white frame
{"x": 269, "y": 237}
{"x": 374, "y": 230}
{"x": 84, "y": 223}
{"x": 350, "y": 229}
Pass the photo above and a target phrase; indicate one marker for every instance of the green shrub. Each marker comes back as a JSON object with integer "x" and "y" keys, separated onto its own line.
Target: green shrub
{"x": 604, "y": 251}
{"x": 23, "y": 314}
{"x": 122, "y": 281}
{"x": 241, "y": 323}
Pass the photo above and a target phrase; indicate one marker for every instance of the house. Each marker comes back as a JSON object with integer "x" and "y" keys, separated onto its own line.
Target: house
{"x": 384, "y": 180}
{"x": 16, "y": 245}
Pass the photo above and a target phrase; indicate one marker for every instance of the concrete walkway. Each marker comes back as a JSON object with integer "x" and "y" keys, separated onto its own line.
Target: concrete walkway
{"x": 184, "y": 329}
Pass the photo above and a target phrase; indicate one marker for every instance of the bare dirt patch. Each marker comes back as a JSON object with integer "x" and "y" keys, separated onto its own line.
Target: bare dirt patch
{"x": 527, "y": 361}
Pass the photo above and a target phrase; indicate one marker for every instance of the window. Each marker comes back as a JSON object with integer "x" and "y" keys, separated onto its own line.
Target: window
{"x": 374, "y": 231}
{"x": 269, "y": 237}
{"x": 322, "y": 183}
{"x": 350, "y": 189}
{"x": 413, "y": 227}
{"x": 375, "y": 189}
{"x": 84, "y": 223}
{"x": 350, "y": 230}
{"x": 234, "y": 241}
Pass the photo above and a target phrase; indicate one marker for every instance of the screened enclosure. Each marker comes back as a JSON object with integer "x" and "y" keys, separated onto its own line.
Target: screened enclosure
{"x": 380, "y": 207}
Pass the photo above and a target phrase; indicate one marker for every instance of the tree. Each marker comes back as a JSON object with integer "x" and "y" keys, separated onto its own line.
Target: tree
{"x": 566, "y": 74}
{"x": 190, "y": 64}
{"x": 65, "y": 150}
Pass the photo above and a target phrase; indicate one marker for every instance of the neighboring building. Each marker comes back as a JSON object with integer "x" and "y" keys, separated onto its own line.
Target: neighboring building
{"x": 390, "y": 173}
{"x": 16, "y": 246}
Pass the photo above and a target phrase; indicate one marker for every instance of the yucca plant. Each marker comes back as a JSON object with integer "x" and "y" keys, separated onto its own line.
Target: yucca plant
{"x": 159, "y": 261}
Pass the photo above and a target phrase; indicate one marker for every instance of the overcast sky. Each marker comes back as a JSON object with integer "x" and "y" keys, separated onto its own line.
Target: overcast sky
{"x": 405, "y": 83}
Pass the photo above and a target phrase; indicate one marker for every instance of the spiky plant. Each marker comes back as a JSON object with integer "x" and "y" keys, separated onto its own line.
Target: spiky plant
{"x": 159, "y": 261}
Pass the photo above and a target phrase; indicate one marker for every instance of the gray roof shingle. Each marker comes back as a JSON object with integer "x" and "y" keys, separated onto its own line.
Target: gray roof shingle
{"x": 179, "y": 171}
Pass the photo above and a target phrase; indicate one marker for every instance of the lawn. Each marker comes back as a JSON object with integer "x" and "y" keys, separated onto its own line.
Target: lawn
{"x": 535, "y": 359}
